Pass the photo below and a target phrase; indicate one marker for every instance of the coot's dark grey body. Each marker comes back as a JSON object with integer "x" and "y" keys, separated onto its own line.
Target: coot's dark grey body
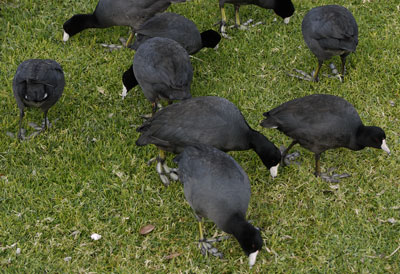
{"x": 38, "y": 83}
{"x": 217, "y": 188}
{"x": 110, "y": 13}
{"x": 163, "y": 70}
{"x": 207, "y": 120}
{"x": 178, "y": 28}
{"x": 283, "y": 8}
{"x": 328, "y": 31}
{"x": 319, "y": 122}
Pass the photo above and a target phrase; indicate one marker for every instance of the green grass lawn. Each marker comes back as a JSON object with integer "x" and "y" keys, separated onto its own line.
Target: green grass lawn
{"x": 85, "y": 175}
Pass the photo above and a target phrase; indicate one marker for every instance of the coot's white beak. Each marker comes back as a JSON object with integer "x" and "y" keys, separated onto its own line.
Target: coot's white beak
{"x": 286, "y": 20}
{"x": 252, "y": 258}
{"x": 65, "y": 37}
{"x": 124, "y": 92}
{"x": 385, "y": 147}
{"x": 274, "y": 171}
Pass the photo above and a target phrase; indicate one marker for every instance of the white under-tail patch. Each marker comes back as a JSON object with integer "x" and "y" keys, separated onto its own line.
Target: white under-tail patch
{"x": 274, "y": 171}
{"x": 286, "y": 20}
{"x": 252, "y": 258}
{"x": 124, "y": 92}
{"x": 385, "y": 147}
{"x": 65, "y": 37}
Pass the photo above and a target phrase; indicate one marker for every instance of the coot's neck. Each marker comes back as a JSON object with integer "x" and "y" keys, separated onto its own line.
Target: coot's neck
{"x": 267, "y": 151}
{"x": 247, "y": 235}
{"x": 237, "y": 223}
{"x": 265, "y": 4}
{"x": 255, "y": 139}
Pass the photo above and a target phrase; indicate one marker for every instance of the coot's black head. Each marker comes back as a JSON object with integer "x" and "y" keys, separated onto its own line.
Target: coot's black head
{"x": 77, "y": 23}
{"x": 284, "y": 8}
{"x": 210, "y": 38}
{"x": 129, "y": 79}
{"x": 372, "y": 137}
{"x": 251, "y": 242}
{"x": 72, "y": 25}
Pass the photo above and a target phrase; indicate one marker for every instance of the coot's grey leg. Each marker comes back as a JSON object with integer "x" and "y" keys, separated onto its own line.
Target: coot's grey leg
{"x": 130, "y": 39}
{"x": 163, "y": 169}
{"x": 237, "y": 19}
{"x": 287, "y": 159}
{"x": 305, "y": 76}
{"x": 245, "y": 25}
{"x": 343, "y": 59}
{"x": 317, "y": 167}
{"x": 43, "y": 127}
{"x": 154, "y": 107}
{"x": 335, "y": 74}
{"x": 21, "y": 116}
{"x": 206, "y": 244}
{"x": 46, "y": 122}
{"x": 222, "y": 28}
{"x": 332, "y": 177}
{"x": 111, "y": 47}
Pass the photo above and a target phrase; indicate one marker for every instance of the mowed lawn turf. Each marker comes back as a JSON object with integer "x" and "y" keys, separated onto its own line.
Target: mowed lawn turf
{"x": 85, "y": 175}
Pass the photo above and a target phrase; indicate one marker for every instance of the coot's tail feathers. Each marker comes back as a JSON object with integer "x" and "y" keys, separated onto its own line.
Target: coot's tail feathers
{"x": 269, "y": 122}
{"x": 180, "y": 95}
{"x": 349, "y": 44}
{"x": 145, "y": 140}
{"x": 144, "y": 127}
{"x": 141, "y": 141}
{"x": 176, "y": 92}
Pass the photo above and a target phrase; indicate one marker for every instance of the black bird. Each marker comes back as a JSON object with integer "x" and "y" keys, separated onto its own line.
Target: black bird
{"x": 110, "y": 13}
{"x": 37, "y": 83}
{"x": 320, "y": 122}
{"x": 283, "y": 8}
{"x": 329, "y": 31}
{"x": 163, "y": 70}
{"x": 207, "y": 120}
{"x": 217, "y": 188}
{"x": 178, "y": 28}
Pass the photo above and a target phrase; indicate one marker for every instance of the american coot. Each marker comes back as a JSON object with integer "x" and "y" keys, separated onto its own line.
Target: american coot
{"x": 110, "y": 13}
{"x": 283, "y": 8}
{"x": 207, "y": 120}
{"x": 163, "y": 70}
{"x": 178, "y": 28}
{"x": 216, "y": 187}
{"x": 328, "y": 31}
{"x": 37, "y": 83}
{"x": 319, "y": 122}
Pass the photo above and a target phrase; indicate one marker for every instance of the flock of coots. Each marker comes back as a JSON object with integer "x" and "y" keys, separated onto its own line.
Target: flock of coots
{"x": 201, "y": 129}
